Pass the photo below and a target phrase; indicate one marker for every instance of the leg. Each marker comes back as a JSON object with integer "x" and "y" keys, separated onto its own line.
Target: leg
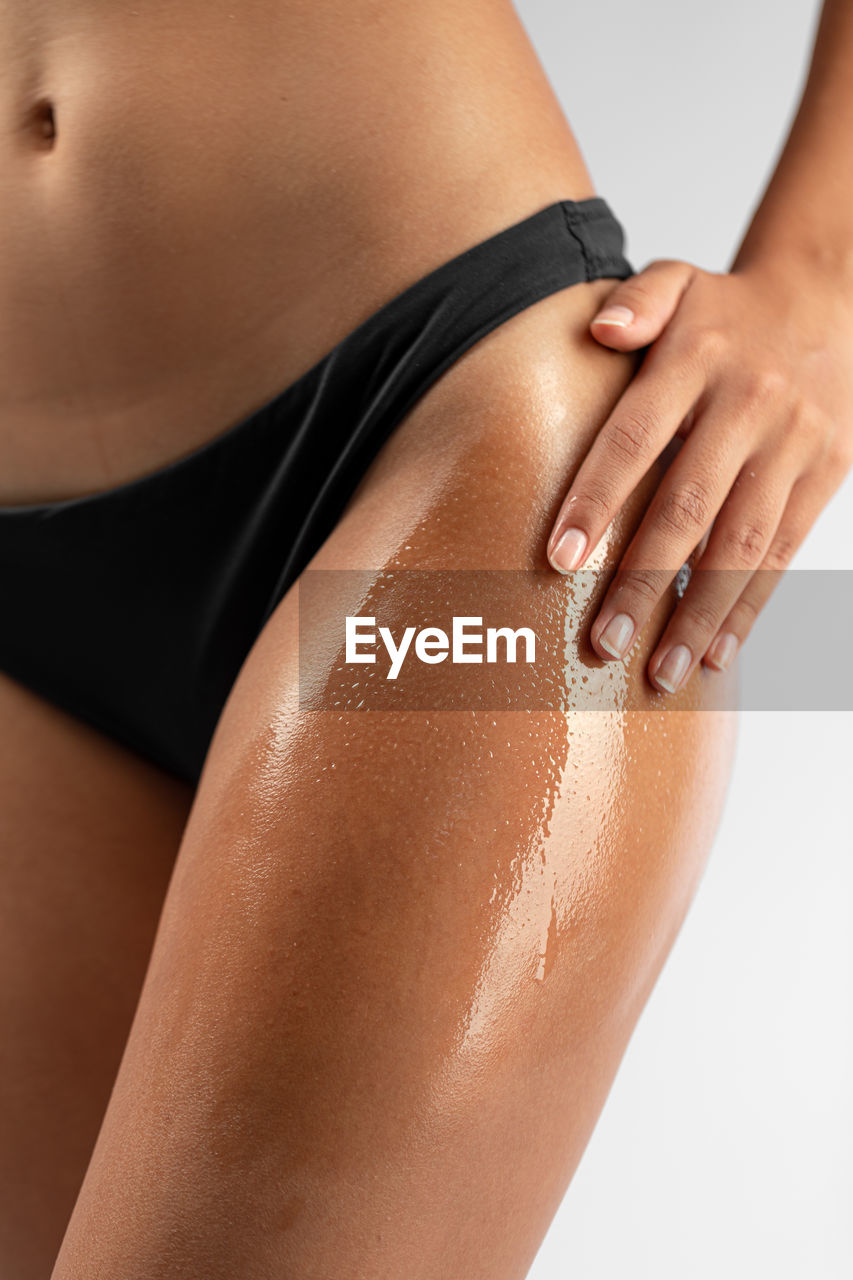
{"x": 88, "y": 836}
{"x": 349, "y": 1057}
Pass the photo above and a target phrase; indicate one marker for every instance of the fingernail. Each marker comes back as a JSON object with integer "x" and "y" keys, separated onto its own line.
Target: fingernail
{"x": 621, "y": 316}
{"x": 722, "y": 651}
{"x": 617, "y": 634}
{"x": 673, "y": 669}
{"x": 568, "y": 551}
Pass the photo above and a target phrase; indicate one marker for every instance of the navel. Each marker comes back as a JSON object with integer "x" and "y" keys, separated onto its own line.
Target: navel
{"x": 41, "y": 123}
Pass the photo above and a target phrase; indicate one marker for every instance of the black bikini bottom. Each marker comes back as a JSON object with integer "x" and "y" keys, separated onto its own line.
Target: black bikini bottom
{"x": 133, "y": 608}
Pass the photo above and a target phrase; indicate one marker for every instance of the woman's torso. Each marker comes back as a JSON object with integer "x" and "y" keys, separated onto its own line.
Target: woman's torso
{"x": 200, "y": 199}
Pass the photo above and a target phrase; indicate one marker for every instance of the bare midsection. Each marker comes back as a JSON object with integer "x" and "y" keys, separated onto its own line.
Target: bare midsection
{"x": 199, "y": 200}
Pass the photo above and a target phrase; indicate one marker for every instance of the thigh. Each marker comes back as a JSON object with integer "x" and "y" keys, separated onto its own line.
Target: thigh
{"x": 88, "y": 836}
{"x": 403, "y": 951}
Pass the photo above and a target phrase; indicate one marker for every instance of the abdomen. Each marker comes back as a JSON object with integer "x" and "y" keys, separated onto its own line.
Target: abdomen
{"x": 199, "y": 200}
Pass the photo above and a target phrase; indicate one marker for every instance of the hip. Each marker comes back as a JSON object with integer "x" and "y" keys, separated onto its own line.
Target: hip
{"x": 198, "y": 206}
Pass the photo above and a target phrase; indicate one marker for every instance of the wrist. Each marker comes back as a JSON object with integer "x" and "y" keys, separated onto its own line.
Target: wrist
{"x": 801, "y": 253}
{"x": 804, "y": 280}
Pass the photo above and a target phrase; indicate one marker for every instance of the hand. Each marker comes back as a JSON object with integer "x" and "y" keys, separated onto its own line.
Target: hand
{"x": 753, "y": 370}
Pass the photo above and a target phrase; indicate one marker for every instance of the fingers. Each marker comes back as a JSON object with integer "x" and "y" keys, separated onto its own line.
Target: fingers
{"x": 685, "y": 505}
{"x": 747, "y": 533}
{"x": 639, "y": 309}
{"x": 761, "y": 456}
{"x": 633, "y": 436}
{"x": 808, "y": 497}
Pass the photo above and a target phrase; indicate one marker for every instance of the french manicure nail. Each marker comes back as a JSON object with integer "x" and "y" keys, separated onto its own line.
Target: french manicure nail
{"x": 673, "y": 669}
{"x": 621, "y": 316}
{"x": 722, "y": 651}
{"x": 617, "y": 635}
{"x": 568, "y": 551}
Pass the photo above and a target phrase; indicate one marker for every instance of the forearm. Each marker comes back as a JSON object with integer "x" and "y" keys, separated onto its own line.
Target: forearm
{"x": 807, "y": 207}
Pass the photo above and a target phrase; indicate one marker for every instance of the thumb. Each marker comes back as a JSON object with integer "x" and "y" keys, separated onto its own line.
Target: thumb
{"x": 639, "y": 308}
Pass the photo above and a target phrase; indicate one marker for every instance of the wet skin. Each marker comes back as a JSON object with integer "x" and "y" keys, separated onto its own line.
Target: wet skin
{"x": 401, "y": 953}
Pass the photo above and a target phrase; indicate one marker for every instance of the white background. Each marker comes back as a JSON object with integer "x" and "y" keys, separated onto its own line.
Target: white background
{"x": 726, "y": 1146}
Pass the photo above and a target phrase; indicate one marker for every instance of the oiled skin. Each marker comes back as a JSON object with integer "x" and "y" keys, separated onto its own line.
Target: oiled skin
{"x": 386, "y": 999}
{"x": 349, "y": 1054}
